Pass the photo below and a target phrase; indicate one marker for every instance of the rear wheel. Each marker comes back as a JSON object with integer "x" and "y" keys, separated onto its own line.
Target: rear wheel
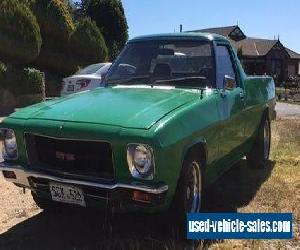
{"x": 188, "y": 194}
{"x": 260, "y": 151}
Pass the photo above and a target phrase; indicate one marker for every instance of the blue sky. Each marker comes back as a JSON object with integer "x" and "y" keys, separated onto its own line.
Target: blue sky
{"x": 257, "y": 18}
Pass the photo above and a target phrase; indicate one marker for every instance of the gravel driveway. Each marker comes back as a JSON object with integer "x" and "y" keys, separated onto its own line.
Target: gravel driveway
{"x": 286, "y": 110}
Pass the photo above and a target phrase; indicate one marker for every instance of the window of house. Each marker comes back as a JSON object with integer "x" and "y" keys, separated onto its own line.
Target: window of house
{"x": 292, "y": 69}
{"x": 299, "y": 68}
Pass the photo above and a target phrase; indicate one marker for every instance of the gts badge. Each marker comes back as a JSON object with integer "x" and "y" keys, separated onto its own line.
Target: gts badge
{"x": 64, "y": 156}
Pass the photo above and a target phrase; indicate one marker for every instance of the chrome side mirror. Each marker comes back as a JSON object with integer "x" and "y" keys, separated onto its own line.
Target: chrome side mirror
{"x": 229, "y": 82}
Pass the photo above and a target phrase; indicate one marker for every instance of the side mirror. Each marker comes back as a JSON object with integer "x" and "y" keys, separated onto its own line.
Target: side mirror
{"x": 126, "y": 69}
{"x": 229, "y": 82}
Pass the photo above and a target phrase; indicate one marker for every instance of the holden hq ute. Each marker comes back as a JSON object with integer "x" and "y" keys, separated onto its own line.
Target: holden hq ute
{"x": 176, "y": 112}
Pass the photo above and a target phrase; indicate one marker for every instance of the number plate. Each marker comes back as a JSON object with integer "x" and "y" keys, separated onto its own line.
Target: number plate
{"x": 67, "y": 194}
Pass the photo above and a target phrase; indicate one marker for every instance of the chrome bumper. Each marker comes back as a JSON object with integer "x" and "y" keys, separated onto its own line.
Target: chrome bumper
{"x": 22, "y": 176}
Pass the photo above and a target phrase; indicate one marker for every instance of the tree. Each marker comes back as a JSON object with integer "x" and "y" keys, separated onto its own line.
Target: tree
{"x": 20, "y": 38}
{"x": 87, "y": 43}
{"x": 54, "y": 19}
{"x": 110, "y": 18}
{"x": 56, "y": 26}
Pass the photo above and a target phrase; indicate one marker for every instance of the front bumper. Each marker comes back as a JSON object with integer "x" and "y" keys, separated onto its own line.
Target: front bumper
{"x": 120, "y": 195}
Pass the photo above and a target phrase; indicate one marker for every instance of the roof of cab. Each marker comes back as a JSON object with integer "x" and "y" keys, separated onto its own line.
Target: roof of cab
{"x": 180, "y": 36}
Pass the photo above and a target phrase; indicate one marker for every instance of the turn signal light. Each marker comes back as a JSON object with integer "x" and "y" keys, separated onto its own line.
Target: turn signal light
{"x": 141, "y": 196}
{"x": 9, "y": 174}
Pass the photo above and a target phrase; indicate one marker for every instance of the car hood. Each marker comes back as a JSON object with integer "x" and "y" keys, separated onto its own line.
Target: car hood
{"x": 124, "y": 106}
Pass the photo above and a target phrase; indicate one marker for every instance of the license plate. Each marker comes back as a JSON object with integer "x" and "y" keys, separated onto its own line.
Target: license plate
{"x": 67, "y": 194}
{"x": 70, "y": 88}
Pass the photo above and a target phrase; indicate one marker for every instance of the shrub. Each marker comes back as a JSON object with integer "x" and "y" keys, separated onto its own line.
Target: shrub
{"x": 53, "y": 85}
{"x": 54, "y": 19}
{"x": 25, "y": 81}
{"x": 3, "y": 70}
{"x": 56, "y": 27}
{"x": 110, "y": 18}
{"x": 20, "y": 38}
{"x": 87, "y": 43}
{"x": 56, "y": 61}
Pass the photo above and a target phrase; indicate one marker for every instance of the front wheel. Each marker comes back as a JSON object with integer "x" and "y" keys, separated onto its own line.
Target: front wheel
{"x": 260, "y": 151}
{"x": 188, "y": 194}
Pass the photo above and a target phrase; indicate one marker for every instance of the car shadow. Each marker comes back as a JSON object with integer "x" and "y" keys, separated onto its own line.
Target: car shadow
{"x": 81, "y": 230}
{"x": 236, "y": 188}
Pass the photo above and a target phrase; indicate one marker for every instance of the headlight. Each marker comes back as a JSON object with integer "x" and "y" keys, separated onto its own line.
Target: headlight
{"x": 9, "y": 144}
{"x": 140, "y": 161}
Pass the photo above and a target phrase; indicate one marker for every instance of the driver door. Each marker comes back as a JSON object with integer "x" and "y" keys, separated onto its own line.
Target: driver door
{"x": 230, "y": 103}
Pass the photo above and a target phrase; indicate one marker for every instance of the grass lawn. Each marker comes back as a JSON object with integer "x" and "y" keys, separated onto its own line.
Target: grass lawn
{"x": 275, "y": 189}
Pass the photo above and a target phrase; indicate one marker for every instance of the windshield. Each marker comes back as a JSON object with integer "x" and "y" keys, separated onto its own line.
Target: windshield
{"x": 178, "y": 63}
{"x": 91, "y": 69}
{"x": 103, "y": 70}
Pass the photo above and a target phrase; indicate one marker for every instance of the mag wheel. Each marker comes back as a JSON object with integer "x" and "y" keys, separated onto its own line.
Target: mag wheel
{"x": 188, "y": 194}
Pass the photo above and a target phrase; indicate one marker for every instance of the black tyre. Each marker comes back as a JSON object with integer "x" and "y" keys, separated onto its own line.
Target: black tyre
{"x": 188, "y": 193}
{"x": 46, "y": 204}
{"x": 260, "y": 151}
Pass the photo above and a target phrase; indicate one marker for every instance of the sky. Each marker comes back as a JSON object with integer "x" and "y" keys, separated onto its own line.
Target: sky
{"x": 257, "y": 18}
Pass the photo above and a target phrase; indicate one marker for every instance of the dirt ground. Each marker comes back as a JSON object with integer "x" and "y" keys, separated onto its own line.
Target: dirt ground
{"x": 275, "y": 189}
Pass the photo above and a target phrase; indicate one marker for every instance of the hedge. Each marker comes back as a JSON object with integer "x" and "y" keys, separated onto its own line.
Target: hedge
{"x": 56, "y": 27}
{"x": 3, "y": 70}
{"x": 24, "y": 81}
{"x": 110, "y": 18}
{"x": 56, "y": 61}
{"x": 20, "y": 38}
{"x": 54, "y": 19}
{"x": 25, "y": 84}
{"x": 87, "y": 43}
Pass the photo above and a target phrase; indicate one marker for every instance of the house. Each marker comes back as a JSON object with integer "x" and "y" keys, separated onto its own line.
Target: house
{"x": 261, "y": 56}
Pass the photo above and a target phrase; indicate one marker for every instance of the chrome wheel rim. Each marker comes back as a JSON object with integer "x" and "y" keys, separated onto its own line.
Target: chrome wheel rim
{"x": 193, "y": 191}
{"x": 266, "y": 140}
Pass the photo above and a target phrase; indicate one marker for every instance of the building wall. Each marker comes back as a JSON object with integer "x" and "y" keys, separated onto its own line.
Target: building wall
{"x": 294, "y": 67}
{"x": 277, "y": 61}
{"x": 296, "y": 63}
{"x": 254, "y": 66}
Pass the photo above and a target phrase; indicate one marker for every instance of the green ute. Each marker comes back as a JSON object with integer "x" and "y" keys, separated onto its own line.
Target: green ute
{"x": 175, "y": 111}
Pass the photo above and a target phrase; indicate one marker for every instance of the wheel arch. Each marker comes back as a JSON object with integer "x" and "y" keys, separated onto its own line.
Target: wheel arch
{"x": 197, "y": 147}
{"x": 266, "y": 114}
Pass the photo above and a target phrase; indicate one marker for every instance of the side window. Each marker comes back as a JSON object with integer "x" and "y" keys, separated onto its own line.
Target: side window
{"x": 224, "y": 64}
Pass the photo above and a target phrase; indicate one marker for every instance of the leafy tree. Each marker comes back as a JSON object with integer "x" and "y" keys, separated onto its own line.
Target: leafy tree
{"x": 110, "y": 18}
{"x": 20, "y": 38}
{"x": 87, "y": 43}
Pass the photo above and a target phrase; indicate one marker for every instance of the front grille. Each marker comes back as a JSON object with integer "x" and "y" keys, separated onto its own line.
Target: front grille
{"x": 90, "y": 159}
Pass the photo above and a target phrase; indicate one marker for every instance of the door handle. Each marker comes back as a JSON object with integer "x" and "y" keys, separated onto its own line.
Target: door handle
{"x": 223, "y": 93}
{"x": 242, "y": 95}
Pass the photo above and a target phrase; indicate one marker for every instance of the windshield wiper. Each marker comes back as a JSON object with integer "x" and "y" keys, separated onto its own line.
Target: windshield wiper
{"x": 182, "y": 79}
{"x": 128, "y": 80}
